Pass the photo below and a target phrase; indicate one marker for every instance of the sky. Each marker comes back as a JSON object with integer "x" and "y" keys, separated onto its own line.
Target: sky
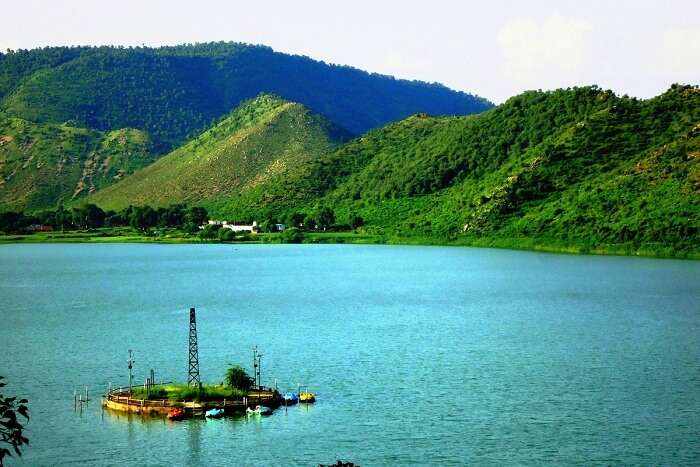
{"x": 495, "y": 48}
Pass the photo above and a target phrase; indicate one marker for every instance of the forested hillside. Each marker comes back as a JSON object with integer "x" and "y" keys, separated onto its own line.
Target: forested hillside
{"x": 45, "y": 164}
{"x": 264, "y": 138}
{"x": 579, "y": 167}
{"x": 175, "y": 92}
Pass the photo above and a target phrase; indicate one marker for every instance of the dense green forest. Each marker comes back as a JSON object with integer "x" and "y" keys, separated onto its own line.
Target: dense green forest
{"x": 175, "y": 92}
{"x": 578, "y": 169}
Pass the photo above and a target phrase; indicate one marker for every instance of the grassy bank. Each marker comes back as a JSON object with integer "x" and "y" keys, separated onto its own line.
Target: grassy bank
{"x": 182, "y": 392}
{"x": 173, "y": 236}
{"x": 105, "y": 235}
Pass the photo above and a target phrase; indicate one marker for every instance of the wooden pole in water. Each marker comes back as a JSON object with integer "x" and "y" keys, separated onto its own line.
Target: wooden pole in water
{"x": 75, "y": 399}
{"x": 86, "y": 394}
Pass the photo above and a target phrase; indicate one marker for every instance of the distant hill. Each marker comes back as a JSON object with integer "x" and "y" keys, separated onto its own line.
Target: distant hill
{"x": 45, "y": 164}
{"x": 175, "y": 92}
{"x": 264, "y": 138}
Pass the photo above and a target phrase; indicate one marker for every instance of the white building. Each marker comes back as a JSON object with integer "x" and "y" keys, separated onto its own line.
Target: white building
{"x": 252, "y": 228}
{"x": 241, "y": 227}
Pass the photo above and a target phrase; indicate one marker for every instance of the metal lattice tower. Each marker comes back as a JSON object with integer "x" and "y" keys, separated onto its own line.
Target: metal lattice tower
{"x": 193, "y": 373}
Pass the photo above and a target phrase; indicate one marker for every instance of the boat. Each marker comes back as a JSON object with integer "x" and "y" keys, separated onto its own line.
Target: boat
{"x": 307, "y": 397}
{"x": 214, "y": 413}
{"x": 259, "y": 410}
{"x": 176, "y": 414}
{"x": 289, "y": 398}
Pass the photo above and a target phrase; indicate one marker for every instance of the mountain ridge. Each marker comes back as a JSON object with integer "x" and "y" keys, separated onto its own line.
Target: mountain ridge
{"x": 174, "y": 92}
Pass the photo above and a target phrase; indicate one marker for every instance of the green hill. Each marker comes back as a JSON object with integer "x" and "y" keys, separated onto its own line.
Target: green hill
{"x": 176, "y": 92}
{"x": 579, "y": 168}
{"x": 264, "y": 138}
{"x": 44, "y": 164}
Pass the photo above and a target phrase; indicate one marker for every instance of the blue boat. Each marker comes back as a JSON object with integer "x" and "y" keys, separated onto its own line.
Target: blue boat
{"x": 290, "y": 398}
{"x": 214, "y": 413}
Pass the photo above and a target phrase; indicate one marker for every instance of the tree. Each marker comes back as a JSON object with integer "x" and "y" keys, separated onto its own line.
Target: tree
{"x": 12, "y": 221}
{"x": 292, "y": 235}
{"x": 196, "y": 215}
{"x": 143, "y": 217}
{"x": 236, "y": 377}
{"x": 356, "y": 221}
{"x": 226, "y": 235}
{"x": 94, "y": 216}
{"x": 115, "y": 219}
{"x": 173, "y": 216}
{"x": 296, "y": 219}
{"x": 309, "y": 223}
{"x": 62, "y": 218}
{"x": 89, "y": 216}
{"x": 11, "y": 430}
{"x": 210, "y": 232}
{"x": 326, "y": 217}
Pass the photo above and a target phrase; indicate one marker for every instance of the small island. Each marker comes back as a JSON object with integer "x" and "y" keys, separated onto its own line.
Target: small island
{"x": 239, "y": 393}
{"x": 160, "y": 399}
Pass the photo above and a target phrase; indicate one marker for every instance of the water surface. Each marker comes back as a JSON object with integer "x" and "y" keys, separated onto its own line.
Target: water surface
{"x": 419, "y": 355}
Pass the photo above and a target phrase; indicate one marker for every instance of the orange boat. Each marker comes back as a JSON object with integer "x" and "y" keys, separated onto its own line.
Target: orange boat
{"x": 176, "y": 414}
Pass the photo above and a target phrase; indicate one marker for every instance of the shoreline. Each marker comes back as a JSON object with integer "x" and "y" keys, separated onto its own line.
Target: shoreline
{"x": 517, "y": 244}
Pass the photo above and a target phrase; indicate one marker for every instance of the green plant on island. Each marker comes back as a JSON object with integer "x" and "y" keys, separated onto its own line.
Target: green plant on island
{"x": 181, "y": 392}
{"x": 236, "y": 377}
{"x": 236, "y": 385}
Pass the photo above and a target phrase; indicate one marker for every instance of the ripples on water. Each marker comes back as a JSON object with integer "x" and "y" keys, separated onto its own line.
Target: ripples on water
{"x": 419, "y": 355}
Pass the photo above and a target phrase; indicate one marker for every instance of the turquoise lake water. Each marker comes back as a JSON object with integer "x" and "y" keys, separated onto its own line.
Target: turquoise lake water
{"x": 418, "y": 355}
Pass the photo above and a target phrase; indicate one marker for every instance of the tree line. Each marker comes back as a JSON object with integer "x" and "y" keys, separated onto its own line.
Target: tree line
{"x": 91, "y": 216}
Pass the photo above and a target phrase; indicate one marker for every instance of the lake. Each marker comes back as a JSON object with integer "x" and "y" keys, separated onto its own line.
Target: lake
{"x": 418, "y": 355}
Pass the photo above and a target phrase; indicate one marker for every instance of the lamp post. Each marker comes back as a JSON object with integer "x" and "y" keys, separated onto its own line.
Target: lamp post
{"x": 255, "y": 366}
{"x": 131, "y": 365}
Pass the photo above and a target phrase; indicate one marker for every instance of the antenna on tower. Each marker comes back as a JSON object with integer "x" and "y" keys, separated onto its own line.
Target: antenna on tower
{"x": 193, "y": 373}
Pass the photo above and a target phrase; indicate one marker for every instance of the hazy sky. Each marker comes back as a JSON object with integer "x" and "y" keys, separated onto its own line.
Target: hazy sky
{"x": 492, "y": 48}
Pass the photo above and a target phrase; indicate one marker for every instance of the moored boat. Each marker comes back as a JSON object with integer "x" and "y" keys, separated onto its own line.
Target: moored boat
{"x": 259, "y": 410}
{"x": 176, "y": 414}
{"x": 214, "y": 413}
{"x": 307, "y": 397}
{"x": 289, "y": 398}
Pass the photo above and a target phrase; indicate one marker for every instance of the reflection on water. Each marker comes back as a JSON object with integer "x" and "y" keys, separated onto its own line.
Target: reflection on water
{"x": 194, "y": 432}
{"x": 128, "y": 418}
